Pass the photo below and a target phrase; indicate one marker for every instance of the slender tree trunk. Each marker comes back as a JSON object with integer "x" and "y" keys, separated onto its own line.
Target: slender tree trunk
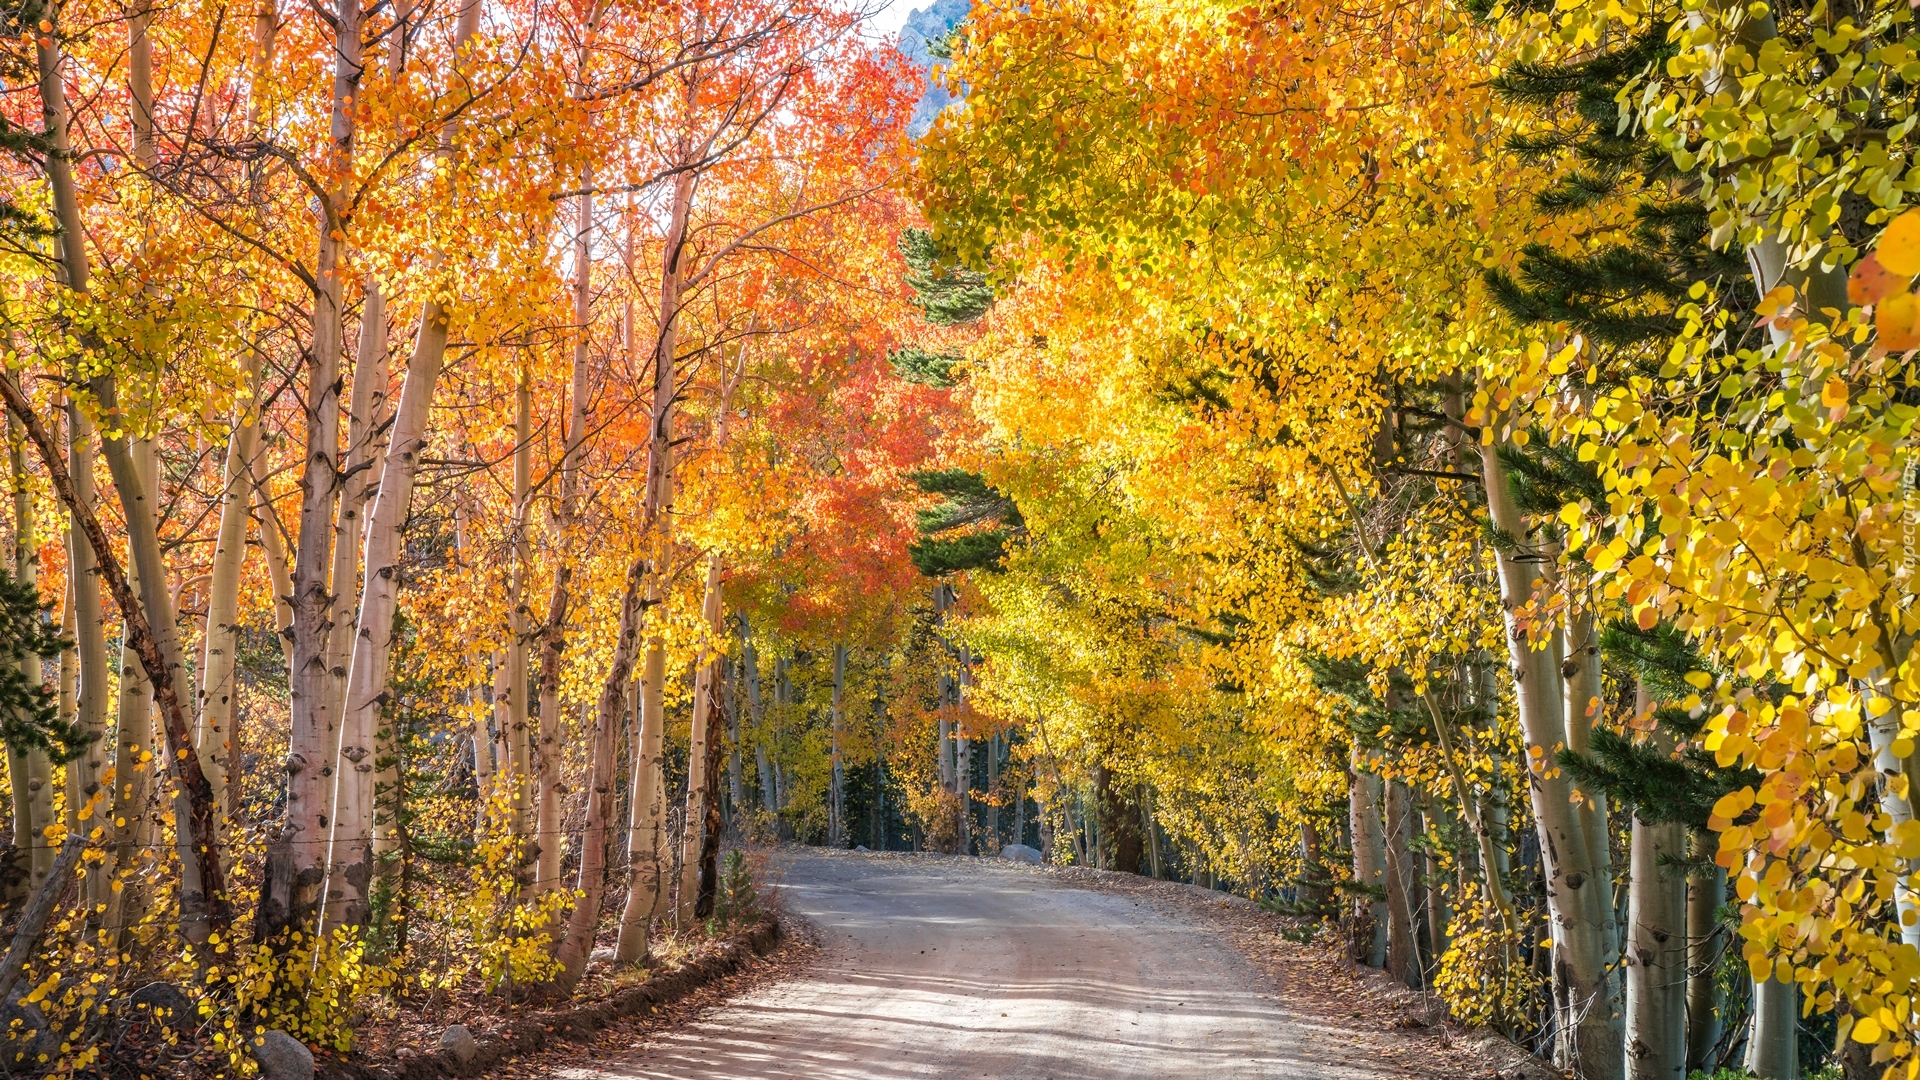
{"x": 699, "y": 758}
{"x": 132, "y": 775}
{"x": 1657, "y": 938}
{"x": 1591, "y": 1040}
{"x": 750, "y": 660}
{"x": 1581, "y": 696}
{"x": 1706, "y": 938}
{"x": 520, "y": 741}
{"x": 69, "y": 706}
{"x": 214, "y": 735}
{"x": 1369, "y": 866}
{"x": 549, "y": 786}
{"x": 273, "y": 547}
{"x": 707, "y": 891}
{"x": 355, "y": 759}
{"x": 585, "y": 920}
{"x": 645, "y": 840}
{"x": 1882, "y": 730}
{"x": 836, "y": 801}
{"x": 993, "y": 805}
{"x": 1403, "y": 944}
{"x": 735, "y": 791}
{"x": 1657, "y": 954}
{"x": 302, "y": 843}
{"x": 86, "y": 773}
{"x": 1315, "y": 886}
{"x": 1773, "y": 1042}
{"x": 199, "y": 896}
{"x": 1439, "y": 912}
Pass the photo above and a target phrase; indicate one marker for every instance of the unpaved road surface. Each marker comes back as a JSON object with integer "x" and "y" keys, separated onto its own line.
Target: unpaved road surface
{"x": 974, "y": 969}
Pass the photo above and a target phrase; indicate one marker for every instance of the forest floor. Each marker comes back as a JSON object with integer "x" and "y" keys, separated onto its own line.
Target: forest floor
{"x": 916, "y": 966}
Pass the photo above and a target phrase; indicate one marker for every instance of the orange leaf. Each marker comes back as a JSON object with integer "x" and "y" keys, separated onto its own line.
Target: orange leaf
{"x": 1870, "y": 282}
{"x": 1894, "y": 318}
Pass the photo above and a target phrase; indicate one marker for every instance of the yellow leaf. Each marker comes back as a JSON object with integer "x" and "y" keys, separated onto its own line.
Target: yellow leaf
{"x": 1899, "y": 249}
{"x": 1867, "y": 1030}
{"x": 1834, "y": 394}
{"x": 1894, "y": 319}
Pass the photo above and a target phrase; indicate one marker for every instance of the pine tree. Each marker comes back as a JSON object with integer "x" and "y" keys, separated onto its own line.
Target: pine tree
{"x": 1624, "y": 292}
{"x": 29, "y": 711}
{"x": 947, "y": 293}
{"x": 970, "y": 530}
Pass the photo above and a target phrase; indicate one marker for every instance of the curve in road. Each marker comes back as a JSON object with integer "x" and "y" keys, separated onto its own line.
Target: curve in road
{"x": 960, "y": 968}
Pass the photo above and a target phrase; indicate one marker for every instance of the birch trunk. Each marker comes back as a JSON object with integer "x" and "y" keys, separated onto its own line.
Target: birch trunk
{"x": 195, "y": 826}
{"x": 1403, "y": 942}
{"x": 68, "y": 706}
{"x": 352, "y": 759}
{"x": 1581, "y": 708}
{"x": 645, "y": 842}
{"x": 836, "y": 805}
{"x": 1369, "y": 866}
{"x": 371, "y": 648}
{"x": 273, "y": 549}
{"x": 734, "y": 789}
{"x": 1656, "y": 957}
{"x": 1896, "y": 802}
{"x": 520, "y": 733}
{"x": 699, "y": 759}
{"x": 585, "y": 920}
{"x": 302, "y": 843}
{"x": 709, "y": 861}
{"x": 750, "y": 661}
{"x": 86, "y": 773}
{"x": 1590, "y": 1037}
{"x": 1773, "y": 1042}
{"x": 1439, "y": 913}
{"x": 993, "y": 809}
{"x": 1705, "y": 939}
{"x": 214, "y": 734}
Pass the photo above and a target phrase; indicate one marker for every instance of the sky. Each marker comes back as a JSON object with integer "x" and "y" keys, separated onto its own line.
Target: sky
{"x": 892, "y": 15}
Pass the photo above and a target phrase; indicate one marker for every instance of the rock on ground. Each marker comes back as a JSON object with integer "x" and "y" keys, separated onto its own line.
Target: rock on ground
{"x": 459, "y": 1042}
{"x": 1021, "y": 853}
{"x": 283, "y": 1057}
{"x": 165, "y": 1004}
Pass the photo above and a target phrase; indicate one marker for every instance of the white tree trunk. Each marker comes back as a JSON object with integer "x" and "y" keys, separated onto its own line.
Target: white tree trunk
{"x": 836, "y": 804}
{"x": 704, "y": 680}
{"x": 1656, "y": 956}
{"x": 1579, "y": 902}
{"x": 214, "y": 734}
{"x": 646, "y": 844}
{"x": 1369, "y": 860}
{"x": 273, "y": 549}
{"x": 585, "y": 920}
{"x": 1403, "y": 945}
{"x": 303, "y": 839}
{"x": 86, "y": 773}
{"x": 1773, "y": 1042}
{"x": 1707, "y": 890}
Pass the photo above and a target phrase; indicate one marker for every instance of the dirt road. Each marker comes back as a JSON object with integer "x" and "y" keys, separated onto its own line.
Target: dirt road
{"x": 987, "y": 971}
